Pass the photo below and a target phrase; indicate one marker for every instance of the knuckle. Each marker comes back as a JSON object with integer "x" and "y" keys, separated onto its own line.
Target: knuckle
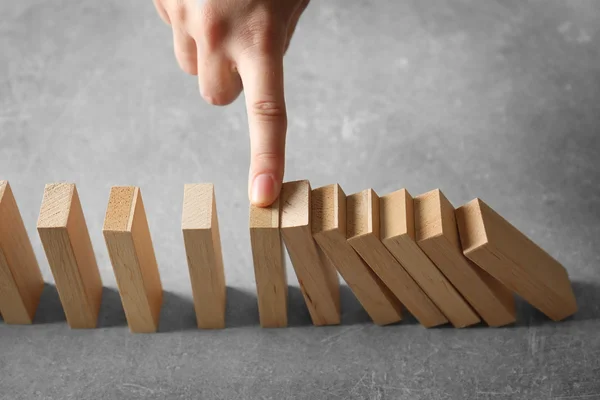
{"x": 213, "y": 28}
{"x": 269, "y": 110}
{"x": 268, "y": 157}
{"x": 264, "y": 33}
{"x": 177, "y": 11}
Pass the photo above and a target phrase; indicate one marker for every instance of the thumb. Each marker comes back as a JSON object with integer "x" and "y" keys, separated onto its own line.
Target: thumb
{"x": 262, "y": 78}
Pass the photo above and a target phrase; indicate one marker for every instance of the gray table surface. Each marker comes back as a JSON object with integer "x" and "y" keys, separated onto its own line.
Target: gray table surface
{"x": 490, "y": 99}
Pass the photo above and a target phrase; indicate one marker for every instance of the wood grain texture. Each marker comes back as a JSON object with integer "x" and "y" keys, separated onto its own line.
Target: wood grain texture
{"x": 329, "y": 230}
{"x": 21, "y": 281}
{"x": 437, "y": 234}
{"x": 129, "y": 244}
{"x": 269, "y": 266}
{"x": 200, "y": 226}
{"x": 508, "y": 255}
{"x": 66, "y": 240}
{"x": 318, "y": 278}
{"x": 363, "y": 234}
{"x": 397, "y": 225}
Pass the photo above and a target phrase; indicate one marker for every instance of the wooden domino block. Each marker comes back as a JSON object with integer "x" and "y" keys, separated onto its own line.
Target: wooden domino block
{"x": 329, "y": 230}
{"x": 132, "y": 256}
{"x": 202, "y": 241}
{"x": 397, "y": 224}
{"x": 64, "y": 234}
{"x": 269, "y": 267}
{"x": 21, "y": 281}
{"x": 363, "y": 234}
{"x": 318, "y": 278}
{"x": 509, "y": 256}
{"x": 437, "y": 234}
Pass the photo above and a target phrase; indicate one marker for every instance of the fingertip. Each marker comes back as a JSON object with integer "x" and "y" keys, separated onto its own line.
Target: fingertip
{"x": 264, "y": 190}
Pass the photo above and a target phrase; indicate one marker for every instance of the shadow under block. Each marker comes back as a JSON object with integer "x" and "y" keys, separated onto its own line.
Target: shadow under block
{"x": 317, "y": 277}
{"x": 68, "y": 247}
{"x": 269, "y": 267}
{"x": 329, "y": 230}
{"x": 21, "y": 281}
{"x": 397, "y": 226}
{"x": 509, "y": 256}
{"x": 202, "y": 241}
{"x": 363, "y": 234}
{"x": 129, "y": 244}
{"x": 437, "y": 234}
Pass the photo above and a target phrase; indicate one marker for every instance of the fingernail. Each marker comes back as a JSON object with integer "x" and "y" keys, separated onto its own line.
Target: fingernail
{"x": 263, "y": 189}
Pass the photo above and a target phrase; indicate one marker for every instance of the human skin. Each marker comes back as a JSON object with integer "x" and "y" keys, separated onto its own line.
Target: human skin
{"x": 235, "y": 45}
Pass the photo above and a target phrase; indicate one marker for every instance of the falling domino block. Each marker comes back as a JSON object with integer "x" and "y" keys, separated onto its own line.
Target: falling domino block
{"x": 363, "y": 234}
{"x": 318, "y": 278}
{"x": 269, "y": 268}
{"x": 64, "y": 234}
{"x": 21, "y": 281}
{"x": 508, "y": 255}
{"x": 329, "y": 230}
{"x": 132, "y": 256}
{"x": 397, "y": 226}
{"x": 437, "y": 234}
{"x": 200, "y": 226}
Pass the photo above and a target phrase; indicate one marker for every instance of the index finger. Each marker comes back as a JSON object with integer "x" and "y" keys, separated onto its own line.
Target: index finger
{"x": 262, "y": 78}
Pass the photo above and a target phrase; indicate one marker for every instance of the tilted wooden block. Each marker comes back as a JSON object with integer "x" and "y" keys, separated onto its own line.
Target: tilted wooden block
{"x": 269, "y": 267}
{"x": 363, "y": 234}
{"x": 437, "y": 234}
{"x": 68, "y": 247}
{"x": 397, "y": 224}
{"x": 329, "y": 230}
{"x": 508, "y": 255}
{"x": 132, "y": 256}
{"x": 318, "y": 278}
{"x": 202, "y": 241}
{"x": 21, "y": 281}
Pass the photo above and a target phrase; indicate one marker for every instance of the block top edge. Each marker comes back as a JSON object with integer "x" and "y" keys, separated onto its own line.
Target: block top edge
{"x": 56, "y": 205}
{"x": 264, "y": 217}
{"x": 119, "y": 211}
{"x": 198, "y": 199}
{"x": 428, "y": 215}
{"x": 393, "y": 214}
{"x": 359, "y": 214}
{"x": 294, "y": 203}
{"x": 471, "y": 225}
{"x": 326, "y": 208}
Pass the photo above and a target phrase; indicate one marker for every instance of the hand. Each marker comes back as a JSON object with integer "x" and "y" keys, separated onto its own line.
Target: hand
{"x": 239, "y": 44}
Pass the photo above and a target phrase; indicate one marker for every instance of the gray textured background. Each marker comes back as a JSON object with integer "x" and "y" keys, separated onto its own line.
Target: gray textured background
{"x": 496, "y": 99}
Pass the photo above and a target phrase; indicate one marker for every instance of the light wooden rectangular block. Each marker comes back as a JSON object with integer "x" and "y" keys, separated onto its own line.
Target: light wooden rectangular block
{"x": 132, "y": 256}
{"x": 329, "y": 230}
{"x": 318, "y": 278}
{"x": 437, "y": 234}
{"x": 21, "y": 281}
{"x": 397, "y": 224}
{"x": 363, "y": 234}
{"x": 202, "y": 241}
{"x": 269, "y": 267}
{"x": 68, "y": 247}
{"x": 521, "y": 265}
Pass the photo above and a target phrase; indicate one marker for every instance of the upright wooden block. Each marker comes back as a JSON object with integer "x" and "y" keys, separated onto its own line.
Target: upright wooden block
{"x": 202, "y": 241}
{"x": 269, "y": 267}
{"x": 397, "y": 225}
{"x": 437, "y": 234}
{"x": 318, "y": 278}
{"x": 132, "y": 256}
{"x": 68, "y": 247}
{"x": 508, "y": 255}
{"x": 363, "y": 234}
{"x": 21, "y": 282}
{"x": 329, "y": 230}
